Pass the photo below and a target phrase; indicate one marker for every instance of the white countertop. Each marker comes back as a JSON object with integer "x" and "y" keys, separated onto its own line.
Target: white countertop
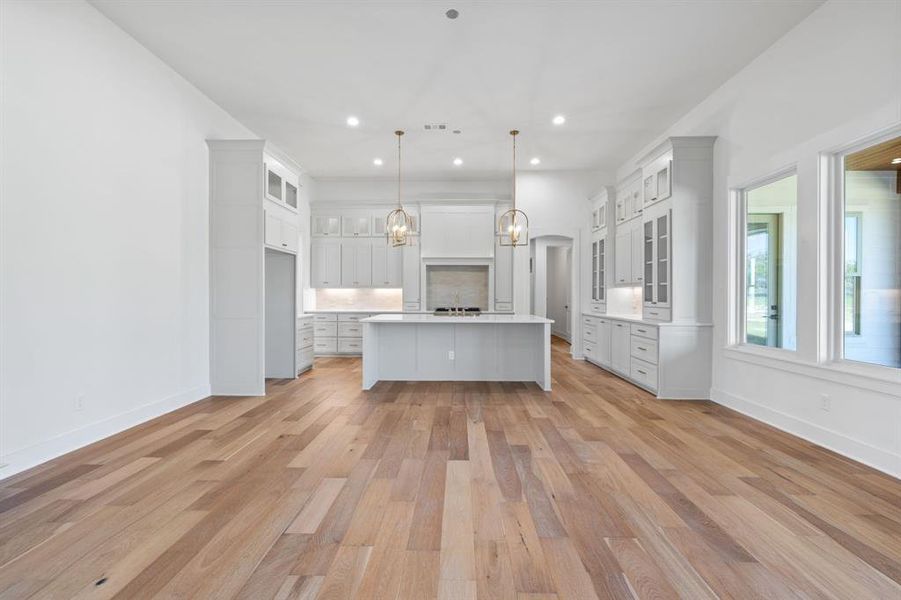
{"x": 643, "y": 321}
{"x": 479, "y": 320}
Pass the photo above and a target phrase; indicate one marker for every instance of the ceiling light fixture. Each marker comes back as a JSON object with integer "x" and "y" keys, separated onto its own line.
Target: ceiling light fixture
{"x": 558, "y": 120}
{"x": 896, "y": 161}
{"x": 377, "y": 162}
{"x": 513, "y": 226}
{"x": 458, "y": 161}
{"x": 535, "y": 161}
{"x": 352, "y": 121}
{"x": 398, "y": 223}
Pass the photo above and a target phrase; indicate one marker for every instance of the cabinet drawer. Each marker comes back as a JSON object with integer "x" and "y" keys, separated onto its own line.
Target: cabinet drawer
{"x": 644, "y": 349}
{"x": 305, "y": 321}
{"x": 503, "y": 306}
{"x": 304, "y": 359}
{"x": 352, "y": 318}
{"x": 304, "y": 337}
{"x": 589, "y": 333}
{"x": 644, "y": 373}
{"x": 597, "y": 308}
{"x": 589, "y": 321}
{"x": 328, "y": 345}
{"x": 657, "y": 314}
{"x": 590, "y": 350}
{"x": 325, "y": 329}
{"x": 350, "y": 330}
{"x": 411, "y": 306}
{"x": 645, "y": 331}
{"x": 324, "y": 317}
{"x": 350, "y": 345}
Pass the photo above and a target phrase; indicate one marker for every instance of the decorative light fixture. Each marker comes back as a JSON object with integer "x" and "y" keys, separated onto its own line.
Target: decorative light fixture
{"x": 513, "y": 226}
{"x": 399, "y": 224}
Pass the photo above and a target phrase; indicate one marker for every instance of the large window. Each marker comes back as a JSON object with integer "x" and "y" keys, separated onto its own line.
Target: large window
{"x": 770, "y": 263}
{"x": 871, "y": 298}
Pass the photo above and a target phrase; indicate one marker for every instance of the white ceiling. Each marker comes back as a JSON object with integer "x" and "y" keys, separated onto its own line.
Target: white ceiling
{"x": 621, "y": 72}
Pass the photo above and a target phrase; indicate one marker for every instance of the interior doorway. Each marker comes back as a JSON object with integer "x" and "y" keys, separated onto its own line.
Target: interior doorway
{"x": 552, "y": 282}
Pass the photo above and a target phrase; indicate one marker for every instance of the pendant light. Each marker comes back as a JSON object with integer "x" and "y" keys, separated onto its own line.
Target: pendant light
{"x": 399, "y": 224}
{"x": 513, "y": 226}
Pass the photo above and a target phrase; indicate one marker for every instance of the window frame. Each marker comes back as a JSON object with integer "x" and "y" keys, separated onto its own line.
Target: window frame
{"x": 858, "y": 216}
{"x": 737, "y": 302}
{"x": 832, "y": 165}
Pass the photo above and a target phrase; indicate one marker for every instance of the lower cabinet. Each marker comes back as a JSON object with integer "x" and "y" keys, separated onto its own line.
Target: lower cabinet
{"x": 338, "y": 333}
{"x": 671, "y": 361}
{"x": 304, "y": 343}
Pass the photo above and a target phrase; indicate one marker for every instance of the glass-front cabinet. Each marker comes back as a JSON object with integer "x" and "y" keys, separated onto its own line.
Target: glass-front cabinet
{"x": 598, "y": 274}
{"x": 657, "y": 269}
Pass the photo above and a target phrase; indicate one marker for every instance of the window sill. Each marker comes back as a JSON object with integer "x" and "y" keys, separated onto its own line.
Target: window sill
{"x": 884, "y": 380}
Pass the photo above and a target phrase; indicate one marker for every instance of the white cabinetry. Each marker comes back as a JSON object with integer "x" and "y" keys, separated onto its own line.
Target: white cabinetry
{"x": 387, "y": 265}
{"x": 281, "y": 185}
{"x": 457, "y": 231}
{"x": 411, "y": 289}
{"x": 324, "y": 225}
{"x": 503, "y": 277}
{"x": 603, "y": 342}
{"x": 325, "y": 264}
{"x": 622, "y": 255}
{"x": 304, "y": 343}
{"x": 636, "y": 271}
{"x": 281, "y": 233}
{"x": 356, "y": 264}
{"x": 656, "y": 242}
{"x": 599, "y": 208}
{"x": 620, "y": 347}
{"x": 599, "y": 274}
{"x": 357, "y": 225}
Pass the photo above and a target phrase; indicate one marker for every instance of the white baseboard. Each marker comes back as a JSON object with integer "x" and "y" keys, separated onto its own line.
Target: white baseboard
{"x": 30, "y": 456}
{"x": 878, "y": 458}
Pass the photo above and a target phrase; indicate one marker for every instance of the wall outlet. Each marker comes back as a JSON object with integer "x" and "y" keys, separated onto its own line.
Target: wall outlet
{"x": 79, "y": 402}
{"x": 450, "y": 355}
{"x": 825, "y": 402}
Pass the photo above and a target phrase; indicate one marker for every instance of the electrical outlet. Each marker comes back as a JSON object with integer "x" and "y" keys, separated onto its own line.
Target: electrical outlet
{"x": 450, "y": 355}
{"x": 825, "y": 402}
{"x": 79, "y": 402}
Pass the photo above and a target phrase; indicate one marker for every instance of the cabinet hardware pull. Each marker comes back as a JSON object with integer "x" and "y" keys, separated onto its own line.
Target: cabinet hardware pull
{"x": 284, "y": 244}
{"x": 642, "y": 349}
{"x": 640, "y": 371}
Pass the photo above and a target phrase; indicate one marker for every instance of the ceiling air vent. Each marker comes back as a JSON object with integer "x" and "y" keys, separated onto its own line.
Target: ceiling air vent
{"x": 435, "y": 126}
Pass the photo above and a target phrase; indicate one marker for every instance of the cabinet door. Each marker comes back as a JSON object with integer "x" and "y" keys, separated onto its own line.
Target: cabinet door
{"x": 387, "y": 263}
{"x": 410, "y": 274}
{"x": 503, "y": 274}
{"x": 635, "y": 202}
{"x": 325, "y": 263}
{"x": 601, "y": 292}
{"x": 290, "y": 194}
{"x": 637, "y": 268}
{"x": 623, "y": 255}
{"x": 620, "y": 346}
{"x": 356, "y": 265}
{"x": 594, "y": 270}
{"x": 395, "y": 266}
{"x": 379, "y": 222}
{"x": 290, "y": 236}
{"x": 272, "y": 233}
{"x": 602, "y": 216}
{"x": 647, "y": 238}
{"x": 596, "y": 218}
{"x": 356, "y": 226}
{"x": 274, "y": 186}
{"x": 326, "y": 226}
{"x": 602, "y": 346}
{"x": 662, "y": 259}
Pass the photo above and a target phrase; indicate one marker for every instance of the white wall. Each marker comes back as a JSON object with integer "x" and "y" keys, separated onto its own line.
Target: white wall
{"x": 104, "y": 231}
{"x": 815, "y": 90}
{"x": 558, "y": 289}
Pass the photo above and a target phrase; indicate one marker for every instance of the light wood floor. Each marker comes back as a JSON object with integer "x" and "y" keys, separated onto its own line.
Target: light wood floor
{"x": 452, "y": 491}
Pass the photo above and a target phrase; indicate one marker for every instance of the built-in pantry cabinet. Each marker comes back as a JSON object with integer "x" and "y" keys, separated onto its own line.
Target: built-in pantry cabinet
{"x": 254, "y": 238}
{"x": 662, "y": 243}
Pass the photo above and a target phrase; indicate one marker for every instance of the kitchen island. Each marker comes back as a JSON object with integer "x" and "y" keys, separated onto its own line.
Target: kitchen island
{"x": 423, "y": 347}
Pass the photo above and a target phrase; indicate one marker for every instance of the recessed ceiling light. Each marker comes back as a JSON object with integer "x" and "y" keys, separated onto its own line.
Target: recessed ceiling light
{"x": 352, "y": 121}
{"x": 535, "y": 161}
{"x": 896, "y": 161}
{"x": 377, "y": 162}
{"x": 458, "y": 161}
{"x": 559, "y": 120}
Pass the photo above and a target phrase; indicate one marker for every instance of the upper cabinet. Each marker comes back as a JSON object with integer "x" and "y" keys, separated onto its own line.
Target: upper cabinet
{"x": 598, "y": 274}
{"x": 387, "y": 265}
{"x": 677, "y": 188}
{"x": 281, "y": 233}
{"x": 280, "y": 184}
{"x": 326, "y": 225}
{"x": 356, "y": 264}
{"x": 628, "y": 198}
{"x": 503, "y": 275}
{"x": 325, "y": 264}
{"x": 357, "y": 225}
{"x": 599, "y": 208}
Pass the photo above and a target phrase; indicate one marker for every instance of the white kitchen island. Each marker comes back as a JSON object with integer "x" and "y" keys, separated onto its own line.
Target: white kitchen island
{"x": 421, "y": 347}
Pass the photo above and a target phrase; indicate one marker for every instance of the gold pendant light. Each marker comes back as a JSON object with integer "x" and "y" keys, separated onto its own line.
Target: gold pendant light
{"x": 513, "y": 226}
{"x": 399, "y": 224}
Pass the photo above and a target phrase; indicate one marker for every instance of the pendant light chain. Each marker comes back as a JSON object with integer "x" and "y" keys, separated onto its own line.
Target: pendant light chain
{"x": 398, "y": 133}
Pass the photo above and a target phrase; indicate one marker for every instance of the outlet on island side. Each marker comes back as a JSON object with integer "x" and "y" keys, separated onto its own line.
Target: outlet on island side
{"x": 450, "y": 355}
{"x": 79, "y": 402}
{"x": 825, "y": 402}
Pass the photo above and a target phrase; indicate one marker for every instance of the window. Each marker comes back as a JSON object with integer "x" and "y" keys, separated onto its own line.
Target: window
{"x": 770, "y": 263}
{"x": 871, "y": 294}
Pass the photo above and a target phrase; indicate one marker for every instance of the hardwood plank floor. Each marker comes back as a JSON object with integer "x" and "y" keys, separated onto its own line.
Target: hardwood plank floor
{"x": 451, "y": 490}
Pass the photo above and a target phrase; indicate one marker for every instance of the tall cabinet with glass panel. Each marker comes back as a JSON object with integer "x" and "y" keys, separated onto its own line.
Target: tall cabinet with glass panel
{"x": 871, "y": 254}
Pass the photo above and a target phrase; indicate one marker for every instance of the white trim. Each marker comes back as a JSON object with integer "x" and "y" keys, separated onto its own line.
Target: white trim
{"x": 30, "y": 456}
{"x": 883, "y": 460}
{"x": 856, "y": 375}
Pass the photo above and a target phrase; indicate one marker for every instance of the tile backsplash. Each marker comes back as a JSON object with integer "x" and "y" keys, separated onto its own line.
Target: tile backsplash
{"x": 444, "y": 282}
{"x": 363, "y": 299}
